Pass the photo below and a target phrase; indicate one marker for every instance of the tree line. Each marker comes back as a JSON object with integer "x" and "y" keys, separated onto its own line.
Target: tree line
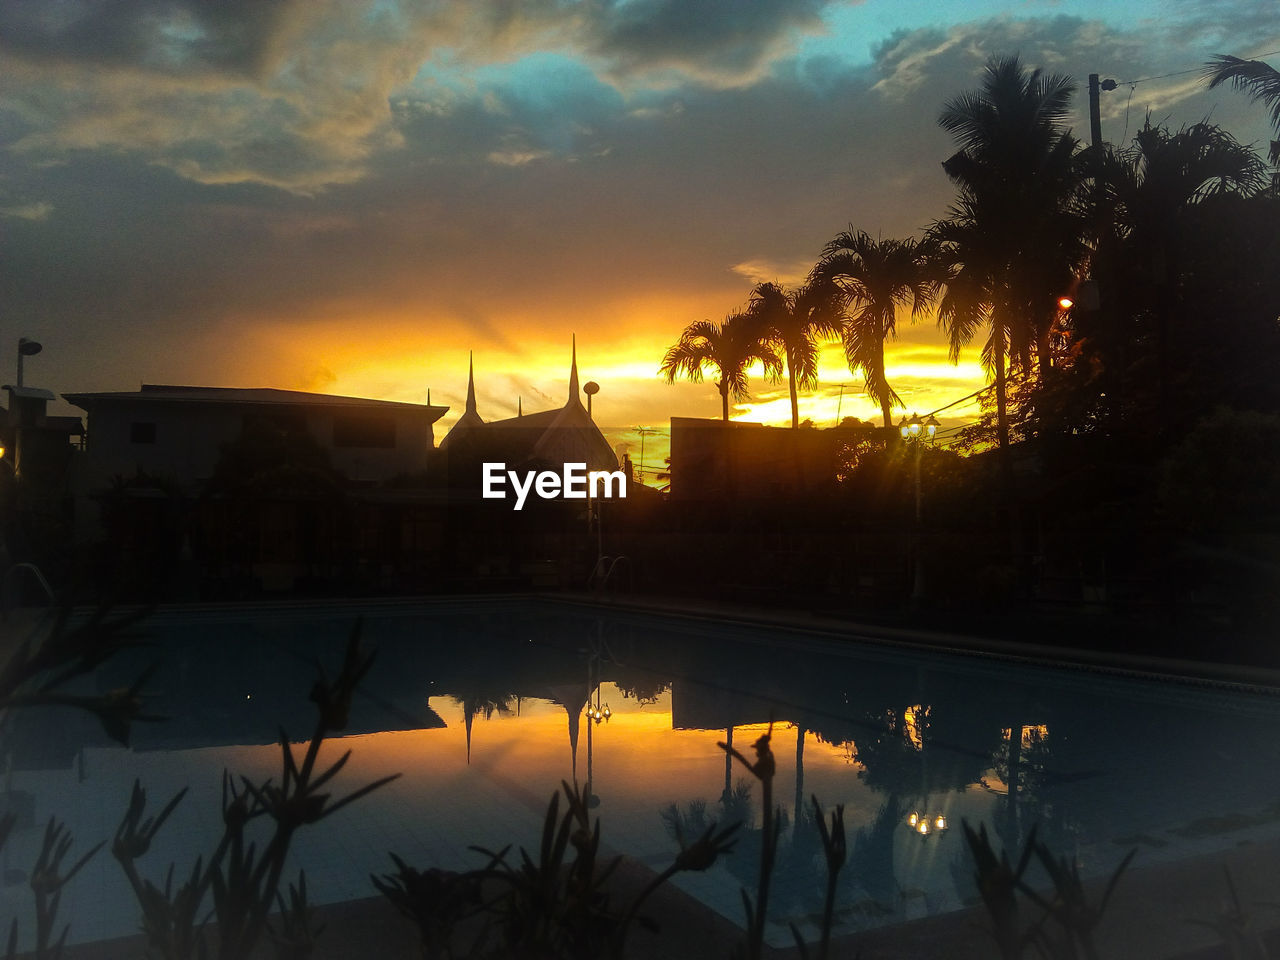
{"x": 1113, "y": 284}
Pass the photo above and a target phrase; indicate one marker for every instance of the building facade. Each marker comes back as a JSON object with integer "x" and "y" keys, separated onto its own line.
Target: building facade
{"x": 178, "y": 432}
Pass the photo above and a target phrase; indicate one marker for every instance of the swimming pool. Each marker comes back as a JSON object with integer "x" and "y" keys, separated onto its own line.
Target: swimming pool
{"x": 482, "y": 706}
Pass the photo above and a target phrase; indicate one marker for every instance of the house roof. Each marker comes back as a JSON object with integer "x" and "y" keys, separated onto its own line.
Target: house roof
{"x": 28, "y": 393}
{"x": 256, "y": 396}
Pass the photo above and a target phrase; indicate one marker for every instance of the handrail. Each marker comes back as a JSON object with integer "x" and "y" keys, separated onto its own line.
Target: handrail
{"x": 8, "y": 575}
{"x": 609, "y": 566}
{"x": 595, "y": 571}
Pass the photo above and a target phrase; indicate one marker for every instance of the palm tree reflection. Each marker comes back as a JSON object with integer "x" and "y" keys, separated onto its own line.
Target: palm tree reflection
{"x": 478, "y": 701}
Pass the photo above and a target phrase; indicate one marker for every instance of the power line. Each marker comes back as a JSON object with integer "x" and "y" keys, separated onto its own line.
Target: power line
{"x": 961, "y": 400}
{"x": 1182, "y": 73}
{"x": 1163, "y": 76}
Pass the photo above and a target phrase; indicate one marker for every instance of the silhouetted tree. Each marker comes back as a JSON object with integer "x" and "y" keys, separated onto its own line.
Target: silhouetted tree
{"x": 1153, "y": 183}
{"x": 877, "y": 277}
{"x": 730, "y": 348}
{"x": 1260, "y": 80}
{"x": 798, "y": 320}
{"x": 1177, "y": 327}
{"x": 1015, "y": 234}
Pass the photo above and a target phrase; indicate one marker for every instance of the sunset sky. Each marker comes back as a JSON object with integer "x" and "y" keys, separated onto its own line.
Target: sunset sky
{"x": 347, "y": 197}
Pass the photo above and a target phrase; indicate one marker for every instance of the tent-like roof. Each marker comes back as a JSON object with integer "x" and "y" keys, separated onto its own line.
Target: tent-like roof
{"x": 563, "y": 435}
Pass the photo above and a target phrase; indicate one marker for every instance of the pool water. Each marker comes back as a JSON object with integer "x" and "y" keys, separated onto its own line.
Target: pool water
{"x": 484, "y": 707}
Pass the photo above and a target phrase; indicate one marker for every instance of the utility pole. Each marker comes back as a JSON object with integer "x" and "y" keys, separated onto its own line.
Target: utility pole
{"x": 1095, "y": 124}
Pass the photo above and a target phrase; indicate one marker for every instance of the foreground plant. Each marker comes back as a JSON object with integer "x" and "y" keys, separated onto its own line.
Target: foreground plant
{"x": 763, "y": 769}
{"x": 1065, "y": 928}
{"x": 239, "y": 884}
{"x": 557, "y": 906}
{"x": 47, "y": 881}
{"x": 40, "y": 668}
{"x": 1237, "y": 927}
{"x": 835, "y": 850}
{"x": 37, "y": 674}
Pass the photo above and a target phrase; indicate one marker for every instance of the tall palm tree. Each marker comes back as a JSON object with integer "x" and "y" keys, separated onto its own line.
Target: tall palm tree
{"x": 1151, "y": 186}
{"x": 1162, "y": 173}
{"x": 1260, "y": 80}
{"x": 730, "y": 348}
{"x": 797, "y": 321}
{"x": 1015, "y": 235}
{"x": 877, "y": 278}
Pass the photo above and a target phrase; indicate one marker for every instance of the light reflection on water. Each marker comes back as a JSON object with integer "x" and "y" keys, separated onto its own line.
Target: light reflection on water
{"x": 483, "y": 710}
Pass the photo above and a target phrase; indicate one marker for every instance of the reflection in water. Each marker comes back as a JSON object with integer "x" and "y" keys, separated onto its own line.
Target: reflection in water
{"x": 482, "y": 708}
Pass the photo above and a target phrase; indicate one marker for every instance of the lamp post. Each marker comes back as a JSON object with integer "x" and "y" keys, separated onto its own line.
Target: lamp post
{"x": 26, "y": 348}
{"x": 917, "y": 433}
{"x": 595, "y": 715}
{"x": 644, "y": 432}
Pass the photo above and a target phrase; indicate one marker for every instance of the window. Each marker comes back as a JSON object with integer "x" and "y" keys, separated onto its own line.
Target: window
{"x": 141, "y": 431}
{"x": 364, "y": 430}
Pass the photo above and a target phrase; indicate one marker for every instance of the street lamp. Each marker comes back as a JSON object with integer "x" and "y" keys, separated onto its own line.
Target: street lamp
{"x": 925, "y": 824}
{"x": 644, "y": 432}
{"x": 26, "y": 348}
{"x": 917, "y": 432}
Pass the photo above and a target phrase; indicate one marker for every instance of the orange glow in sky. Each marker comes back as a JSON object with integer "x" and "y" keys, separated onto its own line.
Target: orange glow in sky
{"x": 410, "y": 356}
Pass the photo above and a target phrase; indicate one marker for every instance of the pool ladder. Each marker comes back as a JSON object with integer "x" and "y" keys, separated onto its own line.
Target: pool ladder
{"x": 8, "y": 576}
{"x": 605, "y": 569}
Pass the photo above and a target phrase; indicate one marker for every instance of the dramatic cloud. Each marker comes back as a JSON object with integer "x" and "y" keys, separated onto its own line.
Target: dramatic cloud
{"x": 299, "y": 94}
{"x": 348, "y": 196}
{"x": 719, "y": 42}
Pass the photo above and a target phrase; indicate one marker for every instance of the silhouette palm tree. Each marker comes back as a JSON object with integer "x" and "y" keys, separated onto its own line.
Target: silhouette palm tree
{"x": 877, "y": 277}
{"x": 1260, "y": 80}
{"x": 1150, "y": 186}
{"x": 730, "y": 348}
{"x": 797, "y": 321}
{"x": 1016, "y": 232}
{"x": 1162, "y": 173}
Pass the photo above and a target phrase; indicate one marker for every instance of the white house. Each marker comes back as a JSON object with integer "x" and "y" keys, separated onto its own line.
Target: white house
{"x": 178, "y": 431}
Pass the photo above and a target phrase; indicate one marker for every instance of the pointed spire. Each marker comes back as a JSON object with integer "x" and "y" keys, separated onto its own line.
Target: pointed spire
{"x": 519, "y": 406}
{"x": 471, "y": 383}
{"x": 428, "y": 396}
{"x": 573, "y": 372}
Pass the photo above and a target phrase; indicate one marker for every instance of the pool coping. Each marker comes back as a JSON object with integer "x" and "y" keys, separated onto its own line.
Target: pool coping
{"x": 1250, "y": 679}
{"x": 1227, "y": 676}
